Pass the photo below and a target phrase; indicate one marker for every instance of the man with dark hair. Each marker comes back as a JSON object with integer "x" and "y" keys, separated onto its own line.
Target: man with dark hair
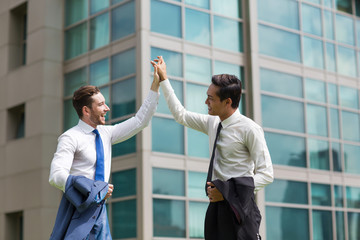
{"x": 240, "y": 161}
{"x": 82, "y": 162}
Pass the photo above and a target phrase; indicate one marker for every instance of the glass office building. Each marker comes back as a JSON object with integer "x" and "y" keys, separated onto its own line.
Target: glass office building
{"x": 298, "y": 60}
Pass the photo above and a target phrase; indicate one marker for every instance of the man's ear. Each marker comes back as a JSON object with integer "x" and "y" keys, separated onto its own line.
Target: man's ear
{"x": 228, "y": 102}
{"x": 85, "y": 111}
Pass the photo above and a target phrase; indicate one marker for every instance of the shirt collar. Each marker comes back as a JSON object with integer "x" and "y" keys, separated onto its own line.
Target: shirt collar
{"x": 232, "y": 119}
{"x": 86, "y": 128}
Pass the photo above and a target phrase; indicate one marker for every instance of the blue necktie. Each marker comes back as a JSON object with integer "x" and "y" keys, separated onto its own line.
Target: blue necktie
{"x": 99, "y": 172}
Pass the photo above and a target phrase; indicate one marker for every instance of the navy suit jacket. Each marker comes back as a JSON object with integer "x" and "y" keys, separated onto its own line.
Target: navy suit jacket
{"x": 78, "y": 208}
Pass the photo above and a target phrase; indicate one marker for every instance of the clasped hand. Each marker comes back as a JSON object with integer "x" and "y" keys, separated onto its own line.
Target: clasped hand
{"x": 213, "y": 193}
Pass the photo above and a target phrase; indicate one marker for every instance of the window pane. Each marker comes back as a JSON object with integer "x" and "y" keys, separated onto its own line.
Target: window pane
{"x": 123, "y": 98}
{"x": 169, "y": 218}
{"x": 285, "y": 191}
{"x": 99, "y": 31}
{"x": 315, "y": 90}
{"x": 173, "y": 61}
{"x": 343, "y": 5}
{"x": 349, "y": 97}
{"x": 70, "y": 116}
{"x": 330, "y": 57}
{"x": 227, "y": 34}
{"x": 311, "y": 19}
{"x": 170, "y": 12}
{"x": 346, "y": 61}
{"x": 281, "y": 12}
{"x": 279, "y": 43}
{"x": 322, "y": 225}
{"x": 125, "y": 182}
{"x": 352, "y": 196}
{"x": 197, "y": 211}
{"x": 345, "y": 29}
{"x": 328, "y": 3}
{"x": 320, "y": 194}
{"x": 340, "y": 226}
{"x": 170, "y": 143}
{"x": 195, "y": 98}
{"x": 99, "y": 72}
{"x": 124, "y": 219}
{"x": 232, "y": 8}
{"x": 316, "y": 120}
{"x": 198, "y": 143}
{"x": 353, "y": 225}
{"x": 319, "y": 154}
{"x": 329, "y": 25}
{"x": 199, "y": 32}
{"x": 336, "y": 156}
{"x": 358, "y": 26}
{"x": 123, "y": 21}
{"x": 123, "y": 64}
{"x": 338, "y": 196}
{"x": 96, "y": 5}
{"x": 281, "y": 223}
{"x": 174, "y": 184}
{"x": 196, "y": 184}
{"x": 223, "y": 67}
{"x": 198, "y": 69}
{"x": 332, "y": 94}
{"x": 286, "y": 150}
{"x": 274, "y": 116}
{"x": 334, "y": 123}
{"x": 351, "y": 158}
{"x": 123, "y": 148}
{"x": 199, "y": 3}
{"x": 313, "y": 52}
{"x": 76, "y": 41}
{"x": 314, "y": 1}
{"x": 74, "y": 80}
{"x": 75, "y": 11}
{"x": 281, "y": 83}
{"x": 350, "y": 126}
{"x": 178, "y": 89}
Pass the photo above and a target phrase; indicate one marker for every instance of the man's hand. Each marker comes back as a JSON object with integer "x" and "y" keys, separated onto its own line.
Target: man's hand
{"x": 156, "y": 81}
{"x": 213, "y": 193}
{"x": 110, "y": 191}
{"x": 160, "y": 64}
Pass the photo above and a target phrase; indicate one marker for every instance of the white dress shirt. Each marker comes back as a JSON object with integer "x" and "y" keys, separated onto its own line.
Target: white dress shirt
{"x": 241, "y": 149}
{"x": 76, "y": 151}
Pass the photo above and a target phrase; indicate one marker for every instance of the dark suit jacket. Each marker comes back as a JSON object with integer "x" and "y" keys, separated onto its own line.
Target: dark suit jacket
{"x": 237, "y": 217}
{"x": 78, "y": 208}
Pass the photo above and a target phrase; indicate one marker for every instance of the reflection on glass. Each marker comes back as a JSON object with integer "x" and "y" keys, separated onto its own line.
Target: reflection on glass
{"x": 174, "y": 184}
{"x": 329, "y": 25}
{"x": 75, "y": 11}
{"x": 344, "y": 5}
{"x": 99, "y": 31}
{"x": 232, "y": 8}
{"x": 198, "y": 69}
{"x": 282, "y": 83}
{"x": 173, "y": 61}
{"x": 195, "y": 98}
{"x": 352, "y": 197}
{"x": 322, "y": 225}
{"x": 358, "y": 26}
{"x": 281, "y": 12}
{"x": 351, "y": 158}
{"x": 170, "y": 143}
{"x": 314, "y": 1}
{"x": 70, "y": 116}
{"x": 169, "y": 218}
{"x": 315, "y": 90}
{"x": 281, "y": 223}
{"x": 197, "y": 211}
{"x": 346, "y": 61}
{"x": 286, "y": 191}
{"x": 227, "y": 34}
{"x": 123, "y": 64}
{"x": 328, "y": 3}
{"x": 99, "y": 72}
{"x": 338, "y": 196}
{"x": 125, "y": 147}
{"x": 350, "y": 126}
{"x": 340, "y": 225}
{"x": 96, "y": 5}
{"x": 313, "y": 52}
{"x": 311, "y": 19}
{"x": 353, "y": 225}
{"x": 223, "y": 67}
{"x": 178, "y": 89}
{"x": 320, "y": 194}
{"x": 198, "y": 144}
{"x": 199, "y": 3}
{"x": 76, "y": 41}
{"x": 286, "y": 150}
{"x": 172, "y": 14}
{"x": 345, "y": 29}
{"x": 336, "y": 156}
{"x": 74, "y": 80}
{"x": 316, "y": 120}
{"x": 332, "y": 94}
{"x": 123, "y": 98}
{"x": 319, "y": 154}
{"x": 274, "y": 116}
{"x": 126, "y": 181}
{"x": 199, "y": 32}
{"x": 196, "y": 184}
{"x": 279, "y": 43}
{"x": 123, "y": 21}
{"x": 334, "y": 123}
{"x": 349, "y": 97}
{"x": 124, "y": 219}
{"x": 330, "y": 57}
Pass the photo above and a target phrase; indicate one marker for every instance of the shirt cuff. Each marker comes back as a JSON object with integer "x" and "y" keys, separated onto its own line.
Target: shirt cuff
{"x": 153, "y": 96}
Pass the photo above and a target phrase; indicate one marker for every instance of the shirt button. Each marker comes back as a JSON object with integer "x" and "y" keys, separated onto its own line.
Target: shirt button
{"x": 93, "y": 217}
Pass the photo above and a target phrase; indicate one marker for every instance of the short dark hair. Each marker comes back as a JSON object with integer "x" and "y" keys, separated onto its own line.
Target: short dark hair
{"x": 83, "y": 97}
{"x": 230, "y": 87}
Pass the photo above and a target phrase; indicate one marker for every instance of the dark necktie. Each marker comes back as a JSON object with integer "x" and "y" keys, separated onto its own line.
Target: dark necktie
{"x": 99, "y": 172}
{"x": 211, "y": 165}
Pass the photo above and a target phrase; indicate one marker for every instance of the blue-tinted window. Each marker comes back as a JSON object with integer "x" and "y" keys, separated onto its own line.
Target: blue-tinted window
{"x": 75, "y": 11}
{"x": 232, "y": 8}
{"x": 338, "y": 196}
{"x": 123, "y": 148}
{"x": 278, "y": 43}
{"x": 350, "y": 126}
{"x": 330, "y": 57}
{"x": 199, "y": 32}
{"x": 316, "y": 117}
{"x": 322, "y": 225}
{"x": 351, "y": 158}
{"x": 196, "y": 184}
{"x": 198, "y": 69}
{"x": 320, "y": 194}
{"x": 173, "y": 60}
{"x": 349, "y": 97}
{"x": 285, "y": 191}
{"x": 198, "y": 143}
{"x": 96, "y": 5}
{"x": 99, "y": 31}
{"x": 99, "y": 72}
{"x": 162, "y": 141}
{"x": 195, "y": 98}
{"x": 353, "y": 225}
{"x": 123, "y": 98}
{"x": 334, "y": 123}
{"x": 274, "y": 116}
{"x": 174, "y": 184}
{"x": 166, "y": 18}
{"x": 286, "y": 149}
{"x": 332, "y": 94}
{"x": 74, "y": 80}
{"x": 328, "y": 3}
{"x": 76, "y": 41}
{"x": 227, "y": 34}
{"x": 352, "y": 196}
{"x": 358, "y": 26}
{"x": 319, "y": 154}
{"x": 223, "y": 67}
{"x": 199, "y": 3}
{"x": 329, "y": 25}
{"x": 311, "y": 19}
{"x": 197, "y": 211}
{"x": 336, "y": 156}
{"x": 123, "y": 21}
{"x": 346, "y": 61}
{"x": 178, "y": 89}
{"x": 345, "y": 29}
{"x": 70, "y": 116}
{"x": 123, "y": 64}
{"x": 313, "y": 52}
{"x": 340, "y": 226}
{"x": 315, "y": 90}
{"x": 124, "y": 182}
{"x": 124, "y": 219}
{"x": 344, "y": 5}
